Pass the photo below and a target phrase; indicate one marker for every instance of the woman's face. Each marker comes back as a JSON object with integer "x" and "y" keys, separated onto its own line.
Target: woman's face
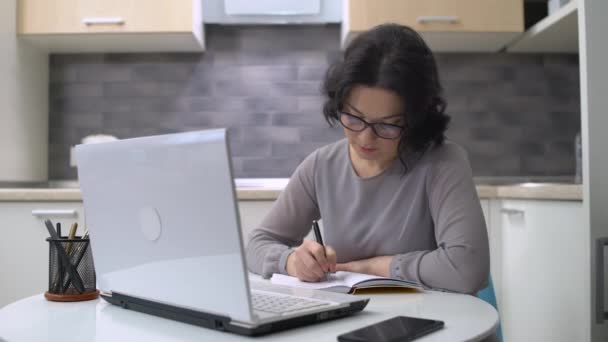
{"x": 374, "y": 105}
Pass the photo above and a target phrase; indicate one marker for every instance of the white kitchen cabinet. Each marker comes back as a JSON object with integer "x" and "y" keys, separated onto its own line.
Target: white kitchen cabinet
{"x": 252, "y": 213}
{"x": 541, "y": 294}
{"x": 494, "y": 244}
{"x": 24, "y": 251}
{"x": 491, "y": 213}
{"x": 112, "y": 25}
{"x": 493, "y": 217}
{"x": 485, "y": 207}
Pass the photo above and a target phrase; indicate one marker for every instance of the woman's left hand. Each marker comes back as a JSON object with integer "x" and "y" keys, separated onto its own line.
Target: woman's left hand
{"x": 379, "y": 266}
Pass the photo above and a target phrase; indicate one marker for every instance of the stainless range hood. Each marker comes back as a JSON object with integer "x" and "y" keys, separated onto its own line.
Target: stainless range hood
{"x": 271, "y": 12}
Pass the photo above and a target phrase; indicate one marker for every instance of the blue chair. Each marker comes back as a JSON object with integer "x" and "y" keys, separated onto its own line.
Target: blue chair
{"x": 488, "y": 295}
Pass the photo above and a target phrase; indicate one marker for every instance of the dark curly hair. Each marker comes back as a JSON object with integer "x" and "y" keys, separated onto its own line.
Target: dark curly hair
{"x": 393, "y": 57}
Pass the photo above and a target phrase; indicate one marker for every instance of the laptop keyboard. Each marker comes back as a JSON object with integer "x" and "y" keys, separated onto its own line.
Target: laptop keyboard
{"x": 263, "y": 301}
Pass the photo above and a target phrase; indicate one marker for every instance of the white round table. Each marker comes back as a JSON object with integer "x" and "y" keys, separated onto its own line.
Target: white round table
{"x": 466, "y": 318}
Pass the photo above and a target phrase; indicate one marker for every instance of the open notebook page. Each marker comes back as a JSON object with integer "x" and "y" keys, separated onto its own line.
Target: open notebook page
{"x": 338, "y": 279}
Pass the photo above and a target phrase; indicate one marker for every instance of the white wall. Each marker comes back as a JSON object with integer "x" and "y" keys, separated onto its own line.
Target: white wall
{"x": 24, "y": 103}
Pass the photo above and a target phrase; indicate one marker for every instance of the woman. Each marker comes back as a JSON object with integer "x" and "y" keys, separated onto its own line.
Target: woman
{"x": 396, "y": 199}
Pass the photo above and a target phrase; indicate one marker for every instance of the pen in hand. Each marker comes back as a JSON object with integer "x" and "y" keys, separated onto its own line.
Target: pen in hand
{"x": 318, "y": 237}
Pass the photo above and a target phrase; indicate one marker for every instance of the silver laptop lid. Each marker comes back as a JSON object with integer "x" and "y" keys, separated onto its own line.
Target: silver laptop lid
{"x": 163, "y": 221}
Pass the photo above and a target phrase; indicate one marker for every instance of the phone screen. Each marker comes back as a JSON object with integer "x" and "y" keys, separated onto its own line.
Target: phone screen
{"x": 400, "y": 328}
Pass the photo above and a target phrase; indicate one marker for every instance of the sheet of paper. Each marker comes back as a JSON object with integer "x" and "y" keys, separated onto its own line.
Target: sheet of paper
{"x": 341, "y": 278}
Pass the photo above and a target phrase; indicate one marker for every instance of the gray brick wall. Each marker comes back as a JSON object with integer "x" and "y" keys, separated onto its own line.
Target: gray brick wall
{"x": 517, "y": 115}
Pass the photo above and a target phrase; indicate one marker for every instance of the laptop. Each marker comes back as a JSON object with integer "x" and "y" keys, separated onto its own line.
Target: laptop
{"x": 166, "y": 238}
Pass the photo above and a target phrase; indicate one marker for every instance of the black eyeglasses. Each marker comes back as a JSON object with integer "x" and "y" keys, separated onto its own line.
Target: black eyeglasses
{"x": 383, "y": 130}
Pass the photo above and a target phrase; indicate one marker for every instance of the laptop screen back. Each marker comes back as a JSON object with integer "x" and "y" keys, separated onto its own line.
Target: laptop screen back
{"x": 163, "y": 220}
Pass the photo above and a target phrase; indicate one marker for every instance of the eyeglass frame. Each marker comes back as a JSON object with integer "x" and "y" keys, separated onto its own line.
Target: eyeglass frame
{"x": 372, "y": 125}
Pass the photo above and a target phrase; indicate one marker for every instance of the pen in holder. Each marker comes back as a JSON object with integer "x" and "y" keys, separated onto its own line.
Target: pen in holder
{"x": 71, "y": 270}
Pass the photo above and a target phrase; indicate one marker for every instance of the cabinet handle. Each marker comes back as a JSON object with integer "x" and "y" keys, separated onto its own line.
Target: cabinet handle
{"x": 508, "y": 211}
{"x": 600, "y": 313}
{"x": 54, "y": 212}
{"x": 103, "y": 21}
{"x": 449, "y": 19}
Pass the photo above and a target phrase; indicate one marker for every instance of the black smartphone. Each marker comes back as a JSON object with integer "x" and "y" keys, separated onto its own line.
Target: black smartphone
{"x": 400, "y": 328}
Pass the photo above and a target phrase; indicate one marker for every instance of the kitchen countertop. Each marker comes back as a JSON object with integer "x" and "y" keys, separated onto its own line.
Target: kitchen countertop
{"x": 259, "y": 189}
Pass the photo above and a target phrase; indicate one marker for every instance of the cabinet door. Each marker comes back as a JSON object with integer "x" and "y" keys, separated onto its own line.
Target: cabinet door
{"x": 543, "y": 246}
{"x": 438, "y": 15}
{"x": 493, "y": 220}
{"x": 490, "y": 212}
{"x": 83, "y": 16}
{"x": 24, "y": 251}
{"x": 485, "y": 207}
{"x": 252, "y": 213}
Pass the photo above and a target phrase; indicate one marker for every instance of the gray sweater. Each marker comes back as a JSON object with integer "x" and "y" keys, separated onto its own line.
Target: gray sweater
{"x": 429, "y": 218}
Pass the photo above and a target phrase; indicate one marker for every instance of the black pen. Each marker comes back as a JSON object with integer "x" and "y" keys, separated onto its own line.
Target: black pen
{"x": 318, "y": 237}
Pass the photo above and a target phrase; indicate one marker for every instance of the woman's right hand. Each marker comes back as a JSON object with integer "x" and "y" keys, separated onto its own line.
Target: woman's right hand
{"x": 308, "y": 262}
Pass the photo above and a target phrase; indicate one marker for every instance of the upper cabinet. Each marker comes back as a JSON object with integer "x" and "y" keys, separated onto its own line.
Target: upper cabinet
{"x": 446, "y": 25}
{"x": 112, "y": 25}
{"x": 558, "y": 32}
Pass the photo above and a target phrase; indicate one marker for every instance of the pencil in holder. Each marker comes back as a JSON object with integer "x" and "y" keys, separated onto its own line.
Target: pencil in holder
{"x": 71, "y": 270}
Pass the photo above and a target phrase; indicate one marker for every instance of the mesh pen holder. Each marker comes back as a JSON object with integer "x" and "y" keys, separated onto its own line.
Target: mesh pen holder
{"x": 71, "y": 271}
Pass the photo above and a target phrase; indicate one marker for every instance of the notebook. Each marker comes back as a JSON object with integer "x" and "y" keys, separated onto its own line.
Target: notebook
{"x": 345, "y": 282}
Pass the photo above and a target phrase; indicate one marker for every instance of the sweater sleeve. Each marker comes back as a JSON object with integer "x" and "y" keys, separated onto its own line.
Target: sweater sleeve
{"x": 287, "y": 223}
{"x": 461, "y": 261}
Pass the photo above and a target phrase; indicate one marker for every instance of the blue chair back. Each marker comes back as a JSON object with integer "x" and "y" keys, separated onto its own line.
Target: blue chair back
{"x": 489, "y": 296}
